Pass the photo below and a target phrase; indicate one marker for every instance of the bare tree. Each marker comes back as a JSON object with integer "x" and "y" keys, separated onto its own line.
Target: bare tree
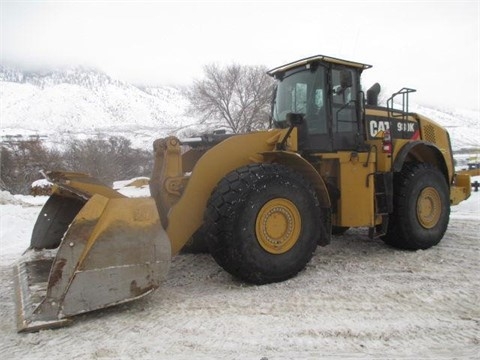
{"x": 113, "y": 159}
{"x": 22, "y": 161}
{"x": 235, "y": 96}
{"x": 107, "y": 160}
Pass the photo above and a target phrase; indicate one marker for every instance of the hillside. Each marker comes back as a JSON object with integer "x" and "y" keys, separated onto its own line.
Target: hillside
{"x": 82, "y": 102}
{"x": 85, "y": 103}
{"x": 463, "y": 125}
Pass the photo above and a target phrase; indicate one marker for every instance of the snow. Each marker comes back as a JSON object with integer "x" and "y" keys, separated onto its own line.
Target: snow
{"x": 78, "y": 103}
{"x": 136, "y": 187}
{"x": 462, "y": 125}
{"x": 41, "y": 183}
{"x": 357, "y": 298}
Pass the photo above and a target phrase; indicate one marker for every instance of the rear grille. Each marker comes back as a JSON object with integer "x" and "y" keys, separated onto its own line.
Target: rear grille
{"x": 429, "y": 133}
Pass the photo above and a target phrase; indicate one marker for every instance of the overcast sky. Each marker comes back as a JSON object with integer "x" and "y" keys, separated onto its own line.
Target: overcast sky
{"x": 433, "y": 46}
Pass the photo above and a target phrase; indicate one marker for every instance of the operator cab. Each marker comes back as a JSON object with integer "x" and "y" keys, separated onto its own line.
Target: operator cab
{"x": 326, "y": 91}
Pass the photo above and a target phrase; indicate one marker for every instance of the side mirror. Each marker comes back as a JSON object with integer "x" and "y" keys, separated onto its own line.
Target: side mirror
{"x": 295, "y": 119}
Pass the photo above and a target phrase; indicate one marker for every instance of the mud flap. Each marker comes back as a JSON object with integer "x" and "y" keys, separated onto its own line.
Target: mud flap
{"x": 115, "y": 250}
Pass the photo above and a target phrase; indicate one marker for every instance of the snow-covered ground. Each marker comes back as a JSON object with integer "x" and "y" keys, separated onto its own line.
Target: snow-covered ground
{"x": 356, "y": 299}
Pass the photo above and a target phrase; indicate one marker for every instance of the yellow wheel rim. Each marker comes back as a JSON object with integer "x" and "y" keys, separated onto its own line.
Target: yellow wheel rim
{"x": 429, "y": 207}
{"x": 278, "y": 226}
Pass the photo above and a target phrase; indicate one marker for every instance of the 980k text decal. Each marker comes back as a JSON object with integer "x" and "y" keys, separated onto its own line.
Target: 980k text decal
{"x": 399, "y": 129}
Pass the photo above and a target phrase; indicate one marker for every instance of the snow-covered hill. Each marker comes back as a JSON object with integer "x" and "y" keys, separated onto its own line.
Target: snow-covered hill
{"x": 82, "y": 102}
{"x": 463, "y": 125}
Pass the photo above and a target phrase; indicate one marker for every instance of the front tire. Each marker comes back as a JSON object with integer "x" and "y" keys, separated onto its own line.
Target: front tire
{"x": 265, "y": 222}
{"x": 421, "y": 208}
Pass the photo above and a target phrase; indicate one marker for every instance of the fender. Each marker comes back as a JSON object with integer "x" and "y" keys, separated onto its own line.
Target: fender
{"x": 186, "y": 215}
{"x": 302, "y": 166}
{"x": 422, "y": 151}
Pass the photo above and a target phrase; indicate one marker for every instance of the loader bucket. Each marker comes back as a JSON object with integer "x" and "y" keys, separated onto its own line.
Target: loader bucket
{"x": 88, "y": 251}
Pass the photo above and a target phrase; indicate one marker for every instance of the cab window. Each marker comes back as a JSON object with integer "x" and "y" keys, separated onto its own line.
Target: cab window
{"x": 303, "y": 92}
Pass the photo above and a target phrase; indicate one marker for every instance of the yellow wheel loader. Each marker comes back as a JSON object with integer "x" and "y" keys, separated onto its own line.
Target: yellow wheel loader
{"x": 262, "y": 201}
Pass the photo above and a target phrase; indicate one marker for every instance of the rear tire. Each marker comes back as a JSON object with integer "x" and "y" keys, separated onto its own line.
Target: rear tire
{"x": 421, "y": 208}
{"x": 264, "y": 223}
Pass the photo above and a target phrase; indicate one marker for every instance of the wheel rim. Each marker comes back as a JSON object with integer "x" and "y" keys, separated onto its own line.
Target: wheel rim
{"x": 429, "y": 207}
{"x": 278, "y": 226}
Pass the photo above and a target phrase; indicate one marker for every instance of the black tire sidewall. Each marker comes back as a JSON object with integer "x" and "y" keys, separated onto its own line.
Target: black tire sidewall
{"x": 240, "y": 253}
{"x": 410, "y": 233}
{"x": 255, "y": 255}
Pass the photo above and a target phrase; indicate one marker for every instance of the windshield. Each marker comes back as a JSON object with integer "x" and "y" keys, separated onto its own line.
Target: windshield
{"x": 299, "y": 92}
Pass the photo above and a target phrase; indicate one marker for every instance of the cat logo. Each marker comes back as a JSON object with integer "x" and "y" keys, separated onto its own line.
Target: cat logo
{"x": 399, "y": 129}
{"x": 377, "y": 128}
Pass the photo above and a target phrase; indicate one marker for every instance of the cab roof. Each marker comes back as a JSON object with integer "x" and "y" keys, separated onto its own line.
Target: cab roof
{"x": 311, "y": 59}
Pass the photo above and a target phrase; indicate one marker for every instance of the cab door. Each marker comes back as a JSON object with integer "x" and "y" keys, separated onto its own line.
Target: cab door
{"x": 344, "y": 108}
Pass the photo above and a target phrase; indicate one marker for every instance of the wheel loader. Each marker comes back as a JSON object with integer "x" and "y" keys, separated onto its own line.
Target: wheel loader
{"x": 262, "y": 201}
